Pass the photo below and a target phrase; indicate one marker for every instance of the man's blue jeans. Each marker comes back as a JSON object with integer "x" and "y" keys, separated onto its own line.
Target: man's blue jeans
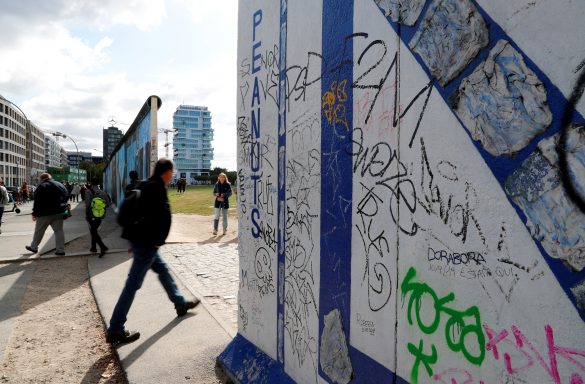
{"x": 144, "y": 258}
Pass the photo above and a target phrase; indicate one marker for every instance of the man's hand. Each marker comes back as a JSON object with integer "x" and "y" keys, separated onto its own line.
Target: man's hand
{"x": 34, "y": 218}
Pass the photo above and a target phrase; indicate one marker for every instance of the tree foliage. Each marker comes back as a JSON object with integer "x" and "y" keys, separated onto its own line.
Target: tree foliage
{"x": 93, "y": 170}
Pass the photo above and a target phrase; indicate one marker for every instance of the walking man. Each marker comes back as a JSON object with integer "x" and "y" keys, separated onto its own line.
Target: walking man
{"x": 3, "y": 200}
{"x": 75, "y": 192}
{"x": 146, "y": 235}
{"x": 96, "y": 205}
{"x": 133, "y": 182}
{"x": 48, "y": 209}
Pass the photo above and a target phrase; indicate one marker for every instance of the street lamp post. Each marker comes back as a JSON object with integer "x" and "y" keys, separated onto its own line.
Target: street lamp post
{"x": 59, "y": 134}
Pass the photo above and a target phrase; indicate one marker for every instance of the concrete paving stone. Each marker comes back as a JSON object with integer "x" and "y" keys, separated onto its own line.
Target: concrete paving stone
{"x": 212, "y": 270}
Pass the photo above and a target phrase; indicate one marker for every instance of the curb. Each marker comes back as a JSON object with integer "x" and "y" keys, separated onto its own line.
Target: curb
{"x": 38, "y": 257}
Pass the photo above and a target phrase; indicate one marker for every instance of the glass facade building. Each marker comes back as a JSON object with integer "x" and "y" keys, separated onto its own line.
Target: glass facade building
{"x": 192, "y": 142}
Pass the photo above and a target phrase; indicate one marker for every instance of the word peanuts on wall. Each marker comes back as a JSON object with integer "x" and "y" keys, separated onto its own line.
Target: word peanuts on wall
{"x": 411, "y": 184}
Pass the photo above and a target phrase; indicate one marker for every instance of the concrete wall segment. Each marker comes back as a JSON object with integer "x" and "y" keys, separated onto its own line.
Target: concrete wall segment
{"x": 412, "y": 249}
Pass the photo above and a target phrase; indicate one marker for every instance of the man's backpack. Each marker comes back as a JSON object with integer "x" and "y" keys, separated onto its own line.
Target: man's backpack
{"x": 129, "y": 212}
{"x": 98, "y": 207}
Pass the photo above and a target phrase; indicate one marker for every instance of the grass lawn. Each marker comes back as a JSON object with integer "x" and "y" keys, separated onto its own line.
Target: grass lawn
{"x": 198, "y": 200}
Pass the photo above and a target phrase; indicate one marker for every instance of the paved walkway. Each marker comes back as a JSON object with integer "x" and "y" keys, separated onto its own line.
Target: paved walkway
{"x": 170, "y": 349}
{"x": 211, "y": 272}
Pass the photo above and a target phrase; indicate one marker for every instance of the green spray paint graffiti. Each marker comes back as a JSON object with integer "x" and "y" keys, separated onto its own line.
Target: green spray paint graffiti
{"x": 461, "y": 326}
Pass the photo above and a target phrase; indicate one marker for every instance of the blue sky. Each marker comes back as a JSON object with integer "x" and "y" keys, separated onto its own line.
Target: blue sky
{"x": 70, "y": 65}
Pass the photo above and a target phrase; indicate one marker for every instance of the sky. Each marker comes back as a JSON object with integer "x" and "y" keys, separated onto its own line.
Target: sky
{"x": 72, "y": 65}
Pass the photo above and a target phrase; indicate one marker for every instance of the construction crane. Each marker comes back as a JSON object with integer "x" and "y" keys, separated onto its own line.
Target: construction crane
{"x": 166, "y": 131}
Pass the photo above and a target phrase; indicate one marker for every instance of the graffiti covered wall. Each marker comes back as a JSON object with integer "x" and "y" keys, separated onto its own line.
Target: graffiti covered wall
{"x": 136, "y": 151}
{"x": 411, "y": 192}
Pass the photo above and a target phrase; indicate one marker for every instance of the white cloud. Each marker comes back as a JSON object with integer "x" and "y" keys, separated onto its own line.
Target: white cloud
{"x": 68, "y": 82}
{"x": 143, "y": 14}
{"x": 46, "y": 57}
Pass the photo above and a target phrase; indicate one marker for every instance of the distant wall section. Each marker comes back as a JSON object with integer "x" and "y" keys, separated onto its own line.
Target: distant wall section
{"x": 137, "y": 151}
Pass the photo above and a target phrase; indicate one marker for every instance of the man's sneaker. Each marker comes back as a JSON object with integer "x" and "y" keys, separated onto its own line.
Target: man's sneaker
{"x": 215, "y": 231}
{"x": 182, "y": 309}
{"x": 93, "y": 250}
{"x": 31, "y": 249}
{"x": 224, "y": 231}
{"x": 121, "y": 338}
{"x": 60, "y": 253}
{"x": 103, "y": 251}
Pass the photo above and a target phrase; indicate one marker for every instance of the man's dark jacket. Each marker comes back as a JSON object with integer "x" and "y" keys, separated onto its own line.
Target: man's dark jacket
{"x": 130, "y": 187}
{"x": 50, "y": 199}
{"x": 155, "y": 215}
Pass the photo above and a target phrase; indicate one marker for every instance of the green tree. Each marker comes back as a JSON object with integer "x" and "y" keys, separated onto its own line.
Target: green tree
{"x": 216, "y": 171}
{"x": 93, "y": 171}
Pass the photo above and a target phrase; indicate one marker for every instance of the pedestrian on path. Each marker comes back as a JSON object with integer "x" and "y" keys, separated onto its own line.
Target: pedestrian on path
{"x": 82, "y": 191}
{"x": 49, "y": 208}
{"x": 222, "y": 191}
{"x": 147, "y": 233}
{"x": 3, "y": 200}
{"x": 96, "y": 206}
{"x": 133, "y": 183}
{"x": 75, "y": 191}
{"x": 24, "y": 192}
{"x": 69, "y": 188}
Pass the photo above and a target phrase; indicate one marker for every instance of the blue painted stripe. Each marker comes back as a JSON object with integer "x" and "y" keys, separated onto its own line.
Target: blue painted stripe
{"x": 281, "y": 210}
{"x": 503, "y": 166}
{"x": 246, "y": 363}
{"x": 368, "y": 370}
{"x": 336, "y": 167}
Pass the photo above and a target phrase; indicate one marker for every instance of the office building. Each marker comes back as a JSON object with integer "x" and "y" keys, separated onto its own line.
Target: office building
{"x": 74, "y": 159}
{"x": 112, "y": 137}
{"x": 35, "y": 153}
{"x": 13, "y": 124}
{"x": 192, "y": 142}
{"x": 52, "y": 152}
{"x": 64, "y": 160}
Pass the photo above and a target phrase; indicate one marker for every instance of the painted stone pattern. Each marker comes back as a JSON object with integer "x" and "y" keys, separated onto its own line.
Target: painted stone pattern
{"x": 334, "y": 353}
{"x": 450, "y": 35}
{"x": 503, "y": 103}
{"x": 402, "y": 11}
{"x": 553, "y": 218}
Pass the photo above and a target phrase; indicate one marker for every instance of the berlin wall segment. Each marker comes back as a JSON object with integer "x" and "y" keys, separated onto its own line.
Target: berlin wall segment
{"x": 411, "y": 216}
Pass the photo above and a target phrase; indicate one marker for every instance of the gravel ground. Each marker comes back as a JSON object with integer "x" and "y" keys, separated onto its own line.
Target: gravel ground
{"x": 60, "y": 335}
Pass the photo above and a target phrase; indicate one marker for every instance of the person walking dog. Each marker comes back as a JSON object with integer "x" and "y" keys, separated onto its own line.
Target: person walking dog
{"x": 49, "y": 208}
{"x": 147, "y": 231}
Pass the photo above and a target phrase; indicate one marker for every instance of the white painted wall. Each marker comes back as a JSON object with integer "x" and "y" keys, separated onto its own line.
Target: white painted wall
{"x": 258, "y": 256}
{"x": 441, "y": 257}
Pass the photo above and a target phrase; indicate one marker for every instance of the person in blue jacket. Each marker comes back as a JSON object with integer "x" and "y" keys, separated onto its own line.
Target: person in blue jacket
{"x": 222, "y": 191}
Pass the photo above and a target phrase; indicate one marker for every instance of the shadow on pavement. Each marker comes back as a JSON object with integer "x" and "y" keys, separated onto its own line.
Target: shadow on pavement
{"x": 135, "y": 354}
{"x": 98, "y": 371}
{"x": 16, "y": 287}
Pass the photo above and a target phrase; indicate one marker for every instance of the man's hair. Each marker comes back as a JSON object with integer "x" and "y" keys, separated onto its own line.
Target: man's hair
{"x": 45, "y": 176}
{"x": 163, "y": 165}
{"x": 133, "y": 175}
{"x": 95, "y": 181}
